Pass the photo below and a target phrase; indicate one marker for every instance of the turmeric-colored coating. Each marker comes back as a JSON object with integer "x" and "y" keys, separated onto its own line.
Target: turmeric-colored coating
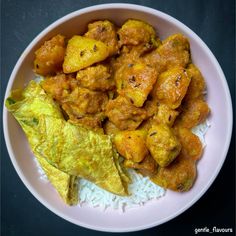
{"x": 82, "y": 52}
{"x": 147, "y": 167}
{"x": 163, "y": 144}
{"x": 197, "y": 85}
{"x": 124, "y": 114}
{"x": 49, "y": 57}
{"x": 135, "y": 82}
{"x": 134, "y": 32}
{"x": 96, "y": 78}
{"x": 126, "y": 83}
{"x": 191, "y": 144}
{"x": 171, "y": 87}
{"x": 178, "y": 176}
{"x": 181, "y": 173}
{"x": 165, "y": 115}
{"x": 131, "y": 145}
{"x": 193, "y": 113}
{"x": 104, "y": 31}
{"x": 174, "y": 51}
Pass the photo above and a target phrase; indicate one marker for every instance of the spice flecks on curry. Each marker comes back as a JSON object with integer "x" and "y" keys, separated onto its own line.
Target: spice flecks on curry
{"x": 112, "y": 99}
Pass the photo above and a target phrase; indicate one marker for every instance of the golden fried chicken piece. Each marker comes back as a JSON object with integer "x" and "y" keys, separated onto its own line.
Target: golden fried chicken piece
{"x": 163, "y": 144}
{"x": 193, "y": 113}
{"x": 135, "y": 82}
{"x": 104, "y": 31}
{"x": 181, "y": 173}
{"x": 171, "y": 87}
{"x": 147, "y": 167}
{"x": 174, "y": 51}
{"x": 96, "y": 77}
{"x": 124, "y": 114}
{"x": 131, "y": 144}
{"x": 49, "y": 57}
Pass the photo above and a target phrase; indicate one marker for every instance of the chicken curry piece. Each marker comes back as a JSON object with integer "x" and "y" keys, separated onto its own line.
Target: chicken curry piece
{"x": 163, "y": 144}
{"x": 181, "y": 173}
{"x": 50, "y": 56}
{"x": 144, "y": 92}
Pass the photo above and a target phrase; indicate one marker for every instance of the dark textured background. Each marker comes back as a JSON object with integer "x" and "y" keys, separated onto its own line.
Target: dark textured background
{"x": 21, "y": 21}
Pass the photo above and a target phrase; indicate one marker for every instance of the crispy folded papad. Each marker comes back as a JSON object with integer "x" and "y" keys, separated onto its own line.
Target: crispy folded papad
{"x": 72, "y": 150}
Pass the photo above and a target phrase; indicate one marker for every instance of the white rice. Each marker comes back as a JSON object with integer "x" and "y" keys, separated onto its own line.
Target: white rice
{"x": 141, "y": 190}
{"x": 201, "y": 130}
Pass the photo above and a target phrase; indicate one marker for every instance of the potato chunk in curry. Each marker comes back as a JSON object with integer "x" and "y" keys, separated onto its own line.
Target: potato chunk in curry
{"x": 131, "y": 144}
{"x": 82, "y": 52}
{"x": 171, "y": 87}
{"x": 165, "y": 115}
{"x": 49, "y": 57}
{"x": 124, "y": 114}
{"x": 158, "y": 114}
{"x": 104, "y": 31}
{"x": 163, "y": 144}
{"x": 135, "y": 82}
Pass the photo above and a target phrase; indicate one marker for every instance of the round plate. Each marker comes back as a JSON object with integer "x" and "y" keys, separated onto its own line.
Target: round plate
{"x": 154, "y": 212}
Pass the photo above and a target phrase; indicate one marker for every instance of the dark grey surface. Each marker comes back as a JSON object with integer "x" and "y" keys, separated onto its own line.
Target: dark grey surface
{"x": 21, "y": 21}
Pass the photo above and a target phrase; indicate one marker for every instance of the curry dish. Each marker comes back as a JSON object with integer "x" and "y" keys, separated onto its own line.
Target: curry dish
{"x": 115, "y": 98}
